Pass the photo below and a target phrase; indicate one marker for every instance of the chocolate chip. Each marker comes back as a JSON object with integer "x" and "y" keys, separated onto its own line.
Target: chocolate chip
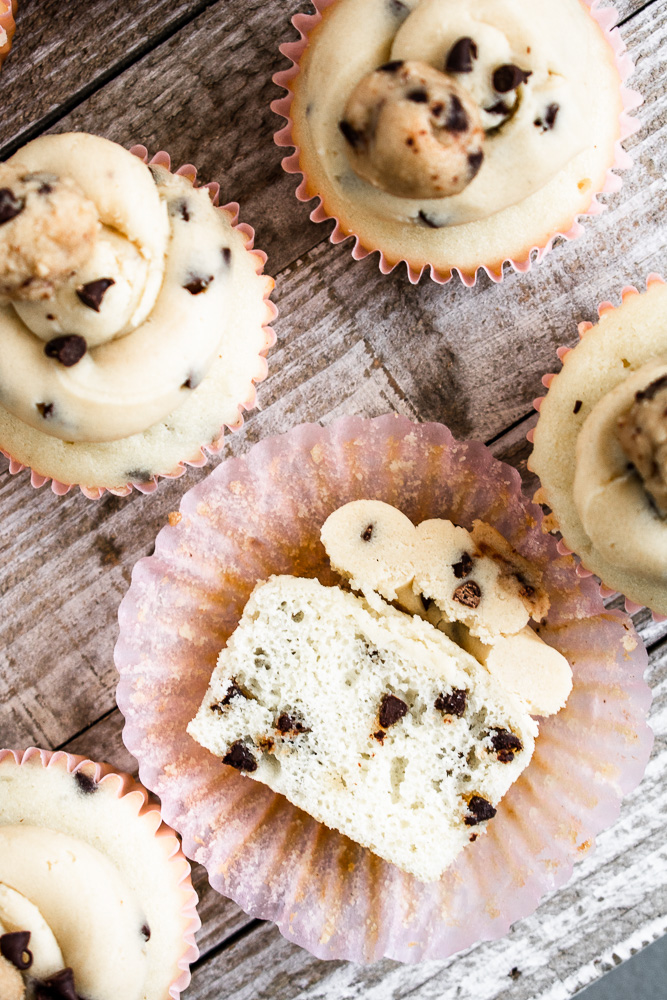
{"x": 10, "y": 206}
{"x": 475, "y": 162}
{"x": 367, "y": 533}
{"x": 390, "y": 67}
{"x": 93, "y": 292}
{"x": 14, "y": 947}
{"x": 549, "y": 120}
{"x": 468, "y": 594}
{"x": 288, "y": 724}
{"x": 45, "y": 409}
{"x": 391, "y": 710}
{"x": 379, "y": 736}
{"x": 577, "y": 406}
{"x": 226, "y": 256}
{"x": 506, "y": 744}
{"x": 515, "y": 973}
{"x": 508, "y": 77}
{"x": 461, "y": 56}
{"x": 499, "y": 108}
{"x": 353, "y": 135}
{"x": 239, "y": 756}
{"x": 139, "y": 476}
{"x": 58, "y": 987}
{"x": 146, "y": 932}
{"x": 50, "y": 316}
{"x": 429, "y": 221}
{"x": 457, "y": 119}
{"x": 463, "y": 567}
{"x": 453, "y": 703}
{"x": 180, "y": 208}
{"x": 651, "y": 390}
{"x": 233, "y": 691}
{"x": 480, "y": 810}
{"x": 472, "y": 838}
{"x": 197, "y": 285}
{"x": 67, "y": 350}
{"x": 87, "y": 785}
{"x": 419, "y": 96}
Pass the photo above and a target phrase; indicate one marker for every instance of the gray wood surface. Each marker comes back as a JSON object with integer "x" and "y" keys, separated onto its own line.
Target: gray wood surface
{"x": 195, "y": 78}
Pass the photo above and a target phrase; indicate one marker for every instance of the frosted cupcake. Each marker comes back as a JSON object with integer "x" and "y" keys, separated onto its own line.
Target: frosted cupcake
{"x": 450, "y": 134}
{"x": 132, "y": 317}
{"x": 95, "y": 896}
{"x": 600, "y": 446}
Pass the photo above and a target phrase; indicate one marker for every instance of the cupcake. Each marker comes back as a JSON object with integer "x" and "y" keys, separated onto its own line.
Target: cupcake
{"x": 453, "y": 135}
{"x": 261, "y": 516}
{"x": 7, "y": 26}
{"x": 133, "y": 316}
{"x": 599, "y": 446}
{"x": 95, "y": 895}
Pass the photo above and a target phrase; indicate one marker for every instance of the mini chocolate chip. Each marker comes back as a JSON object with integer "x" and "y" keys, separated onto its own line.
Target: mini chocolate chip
{"x": 390, "y": 67}
{"x": 419, "y": 96}
{"x": 508, "y": 77}
{"x": 550, "y": 117}
{"x": 480, "y": 809}
{"x": 651, "y": 390}
{"x": 391, "y": 710}
{"x": 353, "y": 135}
{"x": 45, "y": 409}
{"x": 139, "y": 476}
{"x": 475, "y": 162}
{"x": 506, "y": 744}
{"x": 45, "y": 188}
{"x": 472, "y": 838}
{"x": 87, "y": 785}
{"x": 197, "y": 285}
{"x": 146, "y": 932}
{"x": 429, "y": 221}
{"x": 10, "y": 206}
{"x": 14, "y": 947}
{"x": 226, "y": 256}
{"x": 457, "y": 119}
{"x": 67, "y": 349}
{"x": 453, "y": 703}
{"x": 461, "y": 56}
{"x": 515, "y": 973}
{"x": 287, "y": 724}
{"x": 577, "y": 406}
{"x": 233, "y": 691}
{"x": 499, "y": 108}
{"x": 180, "y": 208}
{"x": 93, "y": 292}
{"x": 50, "y": 316}
{"x": 58, "y": 987}
{"x": 463, "y": 567}
{"x": 239, "y": 756}
{"x": 468, "y": 594}
{"x": 367, "y": 533}
{"x": 379, "y": 736}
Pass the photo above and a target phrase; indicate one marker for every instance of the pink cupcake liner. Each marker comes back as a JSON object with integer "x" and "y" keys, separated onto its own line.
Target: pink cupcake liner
{"x": 7, "y": 27}
{"x": 605, "y": 17}
{"x": 261, "y": 514}
{"x": 582, "y": 328}
{"x": 148, "y": 814}
{"x": 201, "y": 456}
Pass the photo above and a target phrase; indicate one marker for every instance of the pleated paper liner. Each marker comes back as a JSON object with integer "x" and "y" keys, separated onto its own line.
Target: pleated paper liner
{"x": 605, "y": 17}
{"x": 632, "y": 607}
{"x": 261, "y": 514}
{"x": 201, "y": 455}
{"x": 169, "y": 868}
{"x": 7, "y": 27}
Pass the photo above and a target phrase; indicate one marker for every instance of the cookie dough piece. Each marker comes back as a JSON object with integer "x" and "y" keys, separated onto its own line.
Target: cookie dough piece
{"x": 374, "y": 723}
{"x": 48, "y": 228}
{"x": 412, "y": 131}
{"x": 642, "y": 432}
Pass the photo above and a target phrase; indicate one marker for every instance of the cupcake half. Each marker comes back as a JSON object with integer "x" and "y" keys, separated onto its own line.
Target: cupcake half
{"x": 95, "y": 895}
{"x": 599, "y": 446}
{"x": 454, "y": 138}
{"x": 133, "y": 319}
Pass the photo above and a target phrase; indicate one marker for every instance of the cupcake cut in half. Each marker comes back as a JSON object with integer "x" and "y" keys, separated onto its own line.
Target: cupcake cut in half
{"x": 600, "y": 446}
{"x": 454, "y": 134}
{"x": 371, "y": 719}
{"x": 132, "y": 315}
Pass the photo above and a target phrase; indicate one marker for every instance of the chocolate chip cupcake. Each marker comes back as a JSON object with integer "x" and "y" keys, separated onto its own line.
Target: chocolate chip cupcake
{"x": 95, "y": 895}
{"x": 599, "y": 446}
{"x": 454, "y": 134}
{"x": 132, "y": 309}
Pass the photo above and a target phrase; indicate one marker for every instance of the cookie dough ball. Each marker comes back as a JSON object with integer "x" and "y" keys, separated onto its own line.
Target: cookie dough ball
{"x": 47, "y": 230}
{"x": 642, "y": 432}
{"x": 413, "y": 131}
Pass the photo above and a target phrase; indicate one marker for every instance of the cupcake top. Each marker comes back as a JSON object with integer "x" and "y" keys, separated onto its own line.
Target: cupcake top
{"x": 600, "y": 447}
{"x": 88, "y": 906}
{"x": 443, "y": 114}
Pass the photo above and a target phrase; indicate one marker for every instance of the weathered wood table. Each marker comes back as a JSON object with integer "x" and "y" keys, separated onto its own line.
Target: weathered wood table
{"x": 194, "y": 77}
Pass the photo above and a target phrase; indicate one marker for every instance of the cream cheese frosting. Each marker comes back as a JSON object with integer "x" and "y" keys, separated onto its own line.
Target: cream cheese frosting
{"x": 541, "y": 76}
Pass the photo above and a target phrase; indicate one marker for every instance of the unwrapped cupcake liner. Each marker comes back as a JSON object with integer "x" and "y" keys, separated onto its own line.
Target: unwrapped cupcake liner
{"x": 201, "y": 456}
{"x": 260, "y": 515}
{"x": 606, "y": 18}
{"x": 148, "y": 814}
{"x": 582, "y": 328}
{"x": 7, "y": 27}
